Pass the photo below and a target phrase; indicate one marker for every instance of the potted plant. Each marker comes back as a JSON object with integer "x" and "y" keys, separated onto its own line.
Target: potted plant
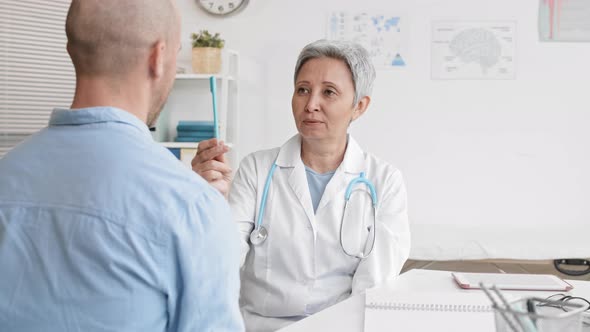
{"x": 207, "y": 52}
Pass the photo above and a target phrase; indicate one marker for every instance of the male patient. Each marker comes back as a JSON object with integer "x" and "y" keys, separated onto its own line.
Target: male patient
{"x": 101, "y": 229}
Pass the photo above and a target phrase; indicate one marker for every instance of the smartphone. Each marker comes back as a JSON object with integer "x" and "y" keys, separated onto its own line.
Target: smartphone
{"x": 512, "y": 281}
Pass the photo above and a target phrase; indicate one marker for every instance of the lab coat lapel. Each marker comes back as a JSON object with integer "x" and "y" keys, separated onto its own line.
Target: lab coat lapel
{"x": 290, "y": 156}
{"x": 298, "y": 182}
{"x": 351, "y": 166}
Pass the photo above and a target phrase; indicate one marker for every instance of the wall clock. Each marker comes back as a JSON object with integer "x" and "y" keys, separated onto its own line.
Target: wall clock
{"x": 222, "y": 7}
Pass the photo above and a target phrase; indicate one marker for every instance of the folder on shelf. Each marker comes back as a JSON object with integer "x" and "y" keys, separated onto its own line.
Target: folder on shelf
{"x": 175, "y": 152}
{"x": 195, "y": 126}
{"x": 195, "y": 134}
{"x": 185, "y": 155}
{"x": 194, "y": 131}
{"x": 191, "y": 139}
{"x": 202, "y": 131}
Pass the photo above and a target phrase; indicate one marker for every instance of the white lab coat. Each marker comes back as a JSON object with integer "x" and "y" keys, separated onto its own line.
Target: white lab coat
{"x": 301, "y": 268}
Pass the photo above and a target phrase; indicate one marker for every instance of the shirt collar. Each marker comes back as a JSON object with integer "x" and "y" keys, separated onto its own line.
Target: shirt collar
{"x": 83, "y": 116}
{"x": 353, "y": 162}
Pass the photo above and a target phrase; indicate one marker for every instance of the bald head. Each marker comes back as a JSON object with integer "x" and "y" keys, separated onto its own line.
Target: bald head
{"x": 110, "y": 37}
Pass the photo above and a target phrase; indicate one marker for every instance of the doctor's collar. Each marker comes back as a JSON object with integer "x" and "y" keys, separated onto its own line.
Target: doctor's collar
{"x": 353, "y": 161}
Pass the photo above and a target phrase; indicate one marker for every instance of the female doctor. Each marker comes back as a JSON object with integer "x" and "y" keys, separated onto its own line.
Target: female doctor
{"x": 306, "y": 253}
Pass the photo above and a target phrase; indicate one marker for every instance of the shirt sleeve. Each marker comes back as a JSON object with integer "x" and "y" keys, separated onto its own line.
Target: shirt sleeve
{"x": 242, "y": 199}
{"x": 392, "y": 238}
{"x": 205, "y": 284}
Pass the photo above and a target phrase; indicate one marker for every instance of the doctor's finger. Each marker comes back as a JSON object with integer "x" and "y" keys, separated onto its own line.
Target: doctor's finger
{"x": 203, "y": 146}
{"x": 208, "y": 154}
{"x": 215, "y": 152}
{"x": 212, "y": 165}
{"x": 211, "y": 175}
{"x": 206, "y": 144}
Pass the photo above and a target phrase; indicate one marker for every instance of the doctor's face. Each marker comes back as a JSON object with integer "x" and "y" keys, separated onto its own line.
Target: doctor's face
{"x": 322, "y": 100}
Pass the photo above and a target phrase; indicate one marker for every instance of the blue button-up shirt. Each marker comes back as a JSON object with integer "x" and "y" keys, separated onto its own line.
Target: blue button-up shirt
{"x": 102, "y": 229}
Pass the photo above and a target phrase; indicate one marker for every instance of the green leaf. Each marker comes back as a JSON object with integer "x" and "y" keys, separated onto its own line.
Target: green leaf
{"x": 204, "y": 39}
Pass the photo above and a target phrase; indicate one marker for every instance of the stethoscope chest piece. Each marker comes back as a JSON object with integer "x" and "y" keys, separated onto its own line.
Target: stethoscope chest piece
{"x": 258, "y": 235}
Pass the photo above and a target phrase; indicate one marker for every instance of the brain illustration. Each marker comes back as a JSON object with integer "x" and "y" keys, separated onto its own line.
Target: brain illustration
{"x": 477, "y": 45}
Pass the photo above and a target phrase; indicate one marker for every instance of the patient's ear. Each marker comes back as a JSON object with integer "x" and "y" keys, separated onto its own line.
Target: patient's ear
{"x": 361, "y": 107}
{"x": 156, "y": 59}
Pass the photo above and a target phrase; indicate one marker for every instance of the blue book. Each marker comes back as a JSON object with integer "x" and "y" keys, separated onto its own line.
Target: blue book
{"x": 189, "y": 139}
{"x": 195, "y": 134}
{"x": 205, "y": 130}
{"x": 195, "y": 125}
{"x": 175, "y": 152}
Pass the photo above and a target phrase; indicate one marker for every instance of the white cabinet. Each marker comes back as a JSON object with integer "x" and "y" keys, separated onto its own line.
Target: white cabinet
{"x": 191, "y": 100}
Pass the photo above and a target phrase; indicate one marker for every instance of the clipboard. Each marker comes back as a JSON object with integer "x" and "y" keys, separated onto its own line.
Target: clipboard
{"x": 512, "y": 281}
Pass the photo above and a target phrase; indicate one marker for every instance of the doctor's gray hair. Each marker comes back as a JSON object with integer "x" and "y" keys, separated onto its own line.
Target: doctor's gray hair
{"x": 354, "y": 55}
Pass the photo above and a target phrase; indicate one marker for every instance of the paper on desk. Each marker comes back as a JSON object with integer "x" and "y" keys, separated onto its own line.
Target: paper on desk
{"x": 427, "y": 311}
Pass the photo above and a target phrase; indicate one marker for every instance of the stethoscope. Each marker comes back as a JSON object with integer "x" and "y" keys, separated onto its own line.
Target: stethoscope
{"x": 260, "y": 234}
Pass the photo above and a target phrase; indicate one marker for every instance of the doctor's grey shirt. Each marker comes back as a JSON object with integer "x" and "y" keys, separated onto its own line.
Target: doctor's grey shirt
{"x": 102, "y": 229}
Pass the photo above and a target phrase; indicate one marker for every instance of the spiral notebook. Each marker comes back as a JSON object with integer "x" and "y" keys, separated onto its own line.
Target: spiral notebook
{"x": 427, "y": 311}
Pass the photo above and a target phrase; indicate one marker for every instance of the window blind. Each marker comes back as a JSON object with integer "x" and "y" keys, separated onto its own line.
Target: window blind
{"x": 36, "y": 74}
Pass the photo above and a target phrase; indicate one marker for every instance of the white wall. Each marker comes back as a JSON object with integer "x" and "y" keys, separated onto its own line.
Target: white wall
{"x": 493, "y": 168}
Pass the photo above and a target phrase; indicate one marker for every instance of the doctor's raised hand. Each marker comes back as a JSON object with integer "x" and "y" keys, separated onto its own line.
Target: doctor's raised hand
{"x": 320, "y": 218}
{"x": 211, "y": 164}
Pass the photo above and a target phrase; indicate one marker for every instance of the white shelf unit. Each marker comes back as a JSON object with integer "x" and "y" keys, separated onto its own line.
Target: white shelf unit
{"x": 190, "y": 100}
{"x": 186, "y": 145}
{"x": 203, "y": 77}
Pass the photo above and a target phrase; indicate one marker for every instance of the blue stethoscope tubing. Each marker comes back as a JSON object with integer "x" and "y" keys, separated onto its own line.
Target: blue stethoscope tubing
{"x": 259, "y": 233}
{"x": 213, "y": 88}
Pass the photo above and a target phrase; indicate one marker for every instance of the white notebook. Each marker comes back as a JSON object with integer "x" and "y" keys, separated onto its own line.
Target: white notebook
{"x": 427, "y": 311}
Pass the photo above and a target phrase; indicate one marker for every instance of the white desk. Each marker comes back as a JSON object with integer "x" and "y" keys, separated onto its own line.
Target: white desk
{"x": 349, "y": 315}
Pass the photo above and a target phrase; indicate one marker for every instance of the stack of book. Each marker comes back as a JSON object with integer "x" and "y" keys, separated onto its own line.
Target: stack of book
{"x": 194, "y": 131}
